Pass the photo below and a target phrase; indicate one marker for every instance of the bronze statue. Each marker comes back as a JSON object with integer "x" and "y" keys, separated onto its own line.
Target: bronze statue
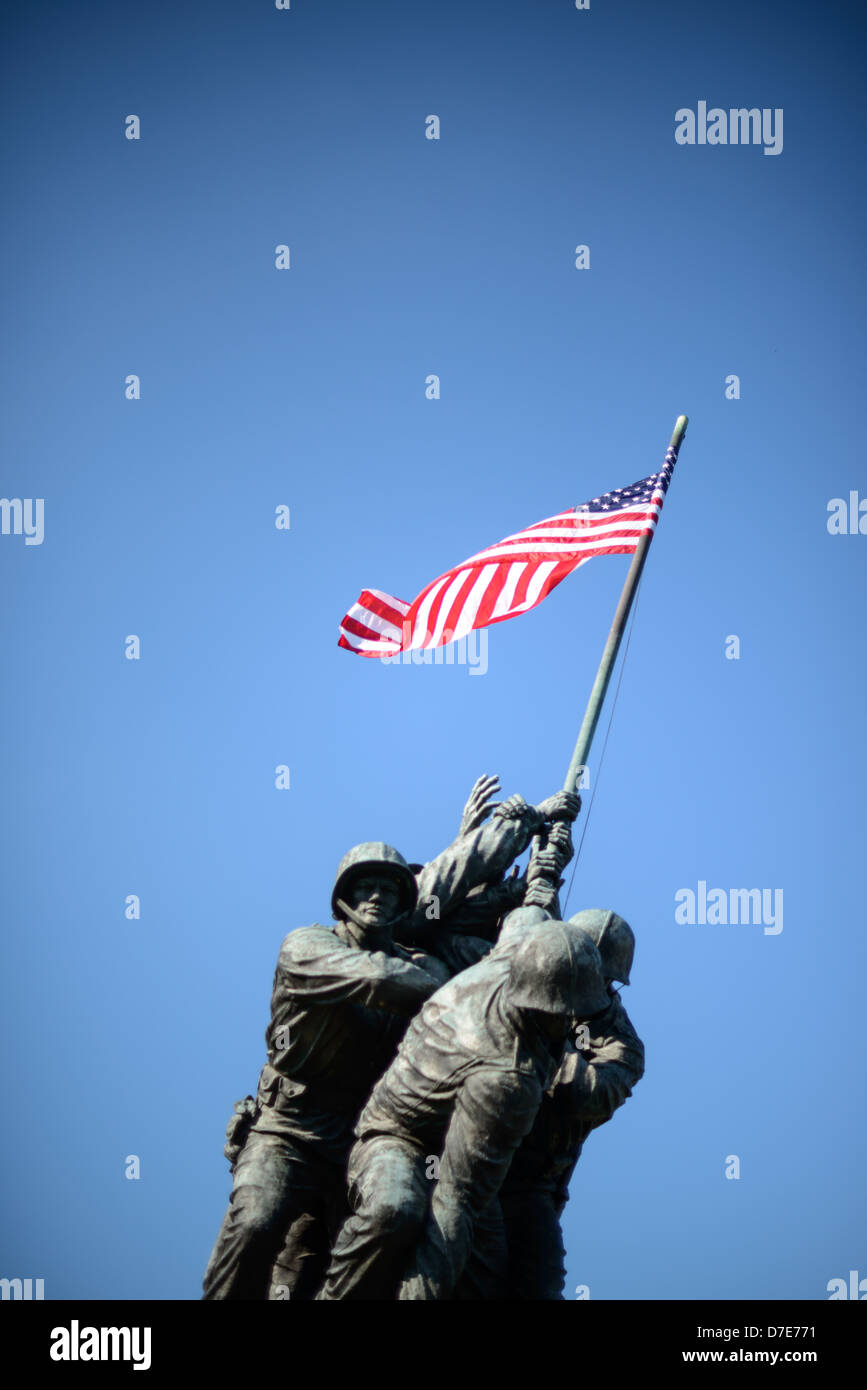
{"x": 341, "y": 999}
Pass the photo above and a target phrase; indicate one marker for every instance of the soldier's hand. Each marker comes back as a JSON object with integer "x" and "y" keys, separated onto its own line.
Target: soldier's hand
{"x": 562, "y": 806}
{"x": 479, "y": 805}
{"x": 432, "y": 966}
{"x": 544, "y": 863}
{"x": 543, "y": 894}
{"x": 515, "y": 808}
{"x": 560, "y": 839}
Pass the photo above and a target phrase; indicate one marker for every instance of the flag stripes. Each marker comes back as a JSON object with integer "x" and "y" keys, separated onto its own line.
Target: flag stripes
{"x": 510, "y": 577}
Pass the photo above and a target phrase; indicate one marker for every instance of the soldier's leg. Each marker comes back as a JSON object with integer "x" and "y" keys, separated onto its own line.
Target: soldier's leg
{"x": 274, "y": 1179}
{"x": 537, "y": 1258}
{"x": 389, "y": 1195}
{"x": 487, "y": 1264}
{"x": 493, "y": 1112}
{"x": 302, "y": 1261}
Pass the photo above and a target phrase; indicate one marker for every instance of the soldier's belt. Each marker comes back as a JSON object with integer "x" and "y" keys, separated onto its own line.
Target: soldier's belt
{"x": 277, "y": 1090}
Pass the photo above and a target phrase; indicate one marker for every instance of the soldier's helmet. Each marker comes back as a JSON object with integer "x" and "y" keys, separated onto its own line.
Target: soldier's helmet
{"x": 557, "y": 969}
{"x": 614, "y": 939}
{"x": 375, "y": 857}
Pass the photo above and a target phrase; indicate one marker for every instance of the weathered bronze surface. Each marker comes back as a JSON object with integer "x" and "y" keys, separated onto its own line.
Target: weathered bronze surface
{"x": 435, "y": 1061}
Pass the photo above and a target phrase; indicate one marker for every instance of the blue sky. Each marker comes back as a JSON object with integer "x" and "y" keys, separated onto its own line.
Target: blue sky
{"x": 306, "y": 387}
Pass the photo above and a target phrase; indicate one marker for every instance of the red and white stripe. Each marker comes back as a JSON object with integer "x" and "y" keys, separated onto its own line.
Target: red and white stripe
{"x": 508, "y": 578}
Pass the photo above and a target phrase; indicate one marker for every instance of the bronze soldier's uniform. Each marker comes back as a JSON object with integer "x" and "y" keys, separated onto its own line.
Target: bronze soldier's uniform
{"x": 341, "y": 1005}
{"x": 467, "y": 1083}
{"x": 589, "y": 1086}
{"x": 337, "y": 1014}
{"x": 458, "y": 939}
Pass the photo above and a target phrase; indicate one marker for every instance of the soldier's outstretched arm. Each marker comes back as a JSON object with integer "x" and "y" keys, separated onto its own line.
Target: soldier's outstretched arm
{"x": 479, "y": 805}
{"x": 319, "y": 968}
{"x": 484, "y": 854}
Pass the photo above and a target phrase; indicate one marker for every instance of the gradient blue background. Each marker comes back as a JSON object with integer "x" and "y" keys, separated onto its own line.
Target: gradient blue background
{"x": 306, "y": 387}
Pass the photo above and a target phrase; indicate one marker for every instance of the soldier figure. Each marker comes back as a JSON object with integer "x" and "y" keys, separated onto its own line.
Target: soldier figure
{"x": 467, "y": 1083}
{"x": 336, "y": 996}
{"x": 340, "y": 1003}
{"x": 601, "y": 1066}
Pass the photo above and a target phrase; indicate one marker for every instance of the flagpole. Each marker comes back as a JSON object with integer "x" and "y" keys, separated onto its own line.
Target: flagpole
{"x": 612, "y": 646}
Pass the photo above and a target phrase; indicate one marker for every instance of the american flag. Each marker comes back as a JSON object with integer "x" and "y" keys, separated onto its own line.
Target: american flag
{"x": 510, "y": 577}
